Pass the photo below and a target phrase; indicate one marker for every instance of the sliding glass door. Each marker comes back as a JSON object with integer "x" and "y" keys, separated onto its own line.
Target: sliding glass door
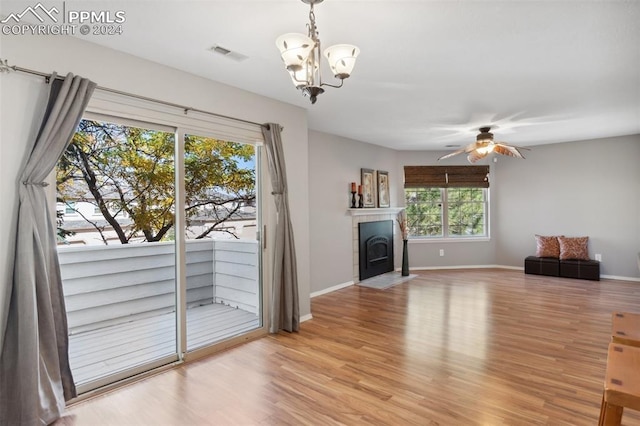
{"x": 222, "y": 251}
{"x": 140, "y": 294}
{"x": 115, "y": 207}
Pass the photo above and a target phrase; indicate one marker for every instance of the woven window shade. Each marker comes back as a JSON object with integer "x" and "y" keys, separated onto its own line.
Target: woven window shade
{"x": 446, "y": 176}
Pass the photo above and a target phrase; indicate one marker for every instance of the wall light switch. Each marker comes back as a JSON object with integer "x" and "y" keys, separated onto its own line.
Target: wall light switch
{"x": 598, "y": 257}
{"x": 441, "y": 252}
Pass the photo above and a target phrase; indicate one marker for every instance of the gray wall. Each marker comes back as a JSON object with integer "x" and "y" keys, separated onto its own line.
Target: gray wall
{"x": 582, "y": 188}
{"x": 334, "y": 162}
{"x": 586, "y": 188}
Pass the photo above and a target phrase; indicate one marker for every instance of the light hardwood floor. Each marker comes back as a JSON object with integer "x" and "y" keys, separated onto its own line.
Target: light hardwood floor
{"x": 467, "y": 347}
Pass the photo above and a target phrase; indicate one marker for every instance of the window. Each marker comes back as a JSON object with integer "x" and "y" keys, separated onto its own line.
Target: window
{"x": 424, "y": 212}
{"x": 165, "y": 191}
{"x": 69, "y": 207}
{"x": 112, "y": 168}
{"x": 447, "y": 202}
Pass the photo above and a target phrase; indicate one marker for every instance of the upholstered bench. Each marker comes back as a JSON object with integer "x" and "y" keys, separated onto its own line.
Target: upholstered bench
{"x": 542, "y": 266}
{"x": 582, "y": 269}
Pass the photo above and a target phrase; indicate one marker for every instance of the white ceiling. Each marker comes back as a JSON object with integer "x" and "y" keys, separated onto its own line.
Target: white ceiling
{"x": 430, "y": 73}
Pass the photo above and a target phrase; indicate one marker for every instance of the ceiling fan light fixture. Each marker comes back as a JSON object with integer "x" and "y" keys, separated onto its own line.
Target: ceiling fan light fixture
{"x": 301, "y": 57}
{"x": 485, "y": 135}
{"x": 485, "y": 145}
{"x": 487, "y": 149}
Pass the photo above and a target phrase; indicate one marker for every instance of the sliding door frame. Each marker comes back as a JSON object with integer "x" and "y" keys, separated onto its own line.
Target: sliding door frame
{"x": 181, "y": 250}
{"x": 263, "y": 275}
{"x": 126, "y": 110}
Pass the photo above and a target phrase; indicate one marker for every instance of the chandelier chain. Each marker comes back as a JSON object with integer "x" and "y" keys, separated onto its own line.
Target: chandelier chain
{"x": 313, "y": 30}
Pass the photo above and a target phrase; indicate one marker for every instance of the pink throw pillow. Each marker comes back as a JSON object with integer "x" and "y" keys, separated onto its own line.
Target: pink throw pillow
{"x": 574, "y": 248}
{"x": 547, "y": 246}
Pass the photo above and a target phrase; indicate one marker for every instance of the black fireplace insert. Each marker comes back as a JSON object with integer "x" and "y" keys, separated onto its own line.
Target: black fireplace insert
{"x": 375, "y": 248}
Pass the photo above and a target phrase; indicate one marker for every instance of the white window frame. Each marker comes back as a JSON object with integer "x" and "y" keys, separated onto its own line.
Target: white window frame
{"x": 444, "y": 212}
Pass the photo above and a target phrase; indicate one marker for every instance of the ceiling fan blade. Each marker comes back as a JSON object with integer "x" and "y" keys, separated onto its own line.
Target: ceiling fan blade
{"x": 519, "y": 148}
{"x": 469, "y": 148}
{"x": 451, "y": 154}
{"x": 508, "y": 150}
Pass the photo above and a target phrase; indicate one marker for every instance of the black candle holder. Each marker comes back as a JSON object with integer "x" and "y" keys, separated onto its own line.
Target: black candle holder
{"x": 353, "y": 199}
{"x": 361, "y": 201}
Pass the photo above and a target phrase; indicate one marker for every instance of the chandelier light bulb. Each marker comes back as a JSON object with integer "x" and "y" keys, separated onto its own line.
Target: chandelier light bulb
{"x": 302, "y": 76}
{"x": 342, "y": 59}
{"x": 294, "y": 50}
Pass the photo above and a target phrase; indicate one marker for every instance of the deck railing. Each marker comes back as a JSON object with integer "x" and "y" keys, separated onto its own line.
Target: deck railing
{"x": 107, "y": 285}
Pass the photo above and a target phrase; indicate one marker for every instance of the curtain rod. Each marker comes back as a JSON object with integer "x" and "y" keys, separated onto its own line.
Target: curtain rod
{"x": 5, "y": 68}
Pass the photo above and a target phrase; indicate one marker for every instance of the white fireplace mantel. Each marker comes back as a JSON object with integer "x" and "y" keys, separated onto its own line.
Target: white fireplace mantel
{"x": 371, "y": 211}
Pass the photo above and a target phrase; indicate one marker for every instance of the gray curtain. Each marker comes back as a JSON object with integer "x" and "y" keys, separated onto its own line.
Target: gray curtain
{"x": 35, "y": 378}
{"x": 285, "y": 309}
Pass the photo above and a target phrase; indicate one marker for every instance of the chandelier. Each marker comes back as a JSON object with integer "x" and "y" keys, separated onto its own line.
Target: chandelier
{"x": 301, "y": 56}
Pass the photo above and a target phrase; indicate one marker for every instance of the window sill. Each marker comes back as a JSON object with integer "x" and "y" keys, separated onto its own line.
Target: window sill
{"x": 369, "y": 211}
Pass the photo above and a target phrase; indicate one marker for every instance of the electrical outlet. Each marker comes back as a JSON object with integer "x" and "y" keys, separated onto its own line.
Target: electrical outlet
{"x": 598, "y": 257}
{"x": 441, "y": 252}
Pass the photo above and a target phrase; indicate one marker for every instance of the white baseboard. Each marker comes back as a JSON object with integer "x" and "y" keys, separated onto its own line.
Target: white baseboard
{"x": 616, "y": 277}
{"x": 330, "y": 289}
{"x": 304, "y": 318}
{"x": 434, "y": 268}
{"x": 515, "y": 268}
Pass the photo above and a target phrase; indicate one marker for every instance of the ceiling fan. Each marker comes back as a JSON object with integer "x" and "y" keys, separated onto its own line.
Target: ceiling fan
{"x": 484, "y": 145}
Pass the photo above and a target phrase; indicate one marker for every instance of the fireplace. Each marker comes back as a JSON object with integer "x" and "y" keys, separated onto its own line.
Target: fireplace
{"x": 375, "y": 240}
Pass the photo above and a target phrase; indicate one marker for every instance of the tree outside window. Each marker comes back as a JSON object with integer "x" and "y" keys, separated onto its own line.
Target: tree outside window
{"x": 446, "y": 212}
{"x": 127, "y": 174}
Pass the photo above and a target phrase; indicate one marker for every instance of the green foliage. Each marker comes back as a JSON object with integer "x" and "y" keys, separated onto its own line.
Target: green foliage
{"x": 62, "y": 233}
{"x": 212, "y": 165}
{"x": 424, "y": 211}
{"x": 466, "y": 211}
{"x": 129, "y": 172}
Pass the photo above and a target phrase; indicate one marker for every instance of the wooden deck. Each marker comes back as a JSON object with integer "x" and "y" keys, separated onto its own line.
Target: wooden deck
{"x": 98, "y": 353}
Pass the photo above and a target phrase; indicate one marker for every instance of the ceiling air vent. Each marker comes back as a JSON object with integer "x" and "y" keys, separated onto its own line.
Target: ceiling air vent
{"x": 235, "y": 56}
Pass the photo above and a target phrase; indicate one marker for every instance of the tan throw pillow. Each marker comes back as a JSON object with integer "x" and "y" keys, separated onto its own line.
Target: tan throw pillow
{"x": 547, "y": 246}
{"x": 574, "y": 248}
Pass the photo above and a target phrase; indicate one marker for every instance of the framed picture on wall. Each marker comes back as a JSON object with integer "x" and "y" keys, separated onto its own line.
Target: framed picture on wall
{"x": 368, "y": 187}
{"x": 383, "y": 189}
